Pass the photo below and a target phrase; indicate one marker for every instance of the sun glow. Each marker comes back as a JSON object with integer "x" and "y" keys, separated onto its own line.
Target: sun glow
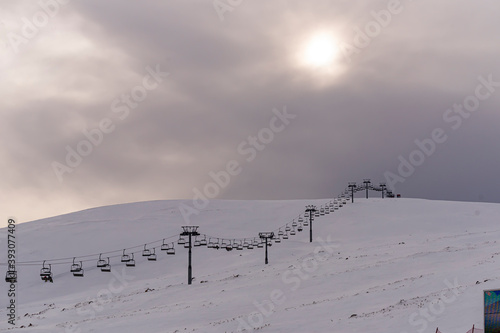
{"x": 320, "y": 51}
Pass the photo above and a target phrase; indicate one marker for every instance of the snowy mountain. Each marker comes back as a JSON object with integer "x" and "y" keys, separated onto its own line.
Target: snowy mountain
{"x": 375, "y": 265}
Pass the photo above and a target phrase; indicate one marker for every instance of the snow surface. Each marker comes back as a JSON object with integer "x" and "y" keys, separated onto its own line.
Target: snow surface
{"x": 382, "y": 265}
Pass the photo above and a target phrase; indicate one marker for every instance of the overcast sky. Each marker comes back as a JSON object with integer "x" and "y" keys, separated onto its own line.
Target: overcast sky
{"x": 296, "y": 98}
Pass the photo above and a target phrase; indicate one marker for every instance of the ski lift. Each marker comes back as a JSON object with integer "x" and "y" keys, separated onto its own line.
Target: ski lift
{"x": 76, "y": 267}
{"x": 316, "y": 213}
{"x": 229, "y": 246}
{"x": 46, "y": 272}
{"x": 125, "y": 257}
{"x": 294, "y": 224}
{"x": 186, "y": 245}
{"x": 152, "y": 255}
{"x": 106, "y": 267}
{"x": 239, "y": 246}
{"x": 306, "y": 223}
{"x": 181, "y": 240}
{"x": 287, "y": 228}
{"x": 131, "y": 261}
{"x": 255, "y": 242}
{"x": 197, "y": 242}
{"x": 280, "y": 232}
{"x": 285, "y": 236}
{"x": 203, "y": 241}
{"x": 261, "y": 244}
{"x": 299, "y": 229}
{"x": 101, "y": 262}
{"x": 79, "y": 272}
{"x": 250, "y": 246}
{"x": 292, "y": 232}
{"x": 301, "y": 219}
{"x": 277, "y": 239}
{"x": 11, "y": 276}
{"x": 171, "y": 249}
{"x": 146, "y": 252}
{"x": 245, "y": 243}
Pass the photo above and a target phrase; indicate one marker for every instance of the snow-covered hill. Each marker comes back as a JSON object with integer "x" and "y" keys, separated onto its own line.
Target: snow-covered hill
{"x": 377, "y": 265}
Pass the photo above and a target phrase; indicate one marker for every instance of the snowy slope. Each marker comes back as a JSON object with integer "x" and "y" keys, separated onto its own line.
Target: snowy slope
{"x": 391, "y": 265}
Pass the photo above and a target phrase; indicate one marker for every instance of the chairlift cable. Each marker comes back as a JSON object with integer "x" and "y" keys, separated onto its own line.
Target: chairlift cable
{"x": 70, "y": 260}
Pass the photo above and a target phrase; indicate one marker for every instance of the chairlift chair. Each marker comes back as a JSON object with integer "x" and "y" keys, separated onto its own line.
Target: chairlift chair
{"x": 306, "y": 223}
{"x": 152, "y": 255}
{"x": 285, "y": 236}
{"x": 280, "y": 232}
{"x": 186, "y": 245}
{"x": 79, "y": 272}
{"x": 164, "y": 247}
{"x": 277, "y": 239}
{"x": 46, "y": 272}
{"x": 255, "y": 242}
{"x": 316, "y": 213}
{"x": 239, "y": 247}
{"x": 197, "y": 242}
{"x": 287, "y": 228}
{"x": 146, "y": 252}
{"x": 125, "y": 257}
{"x": 300, "y": 219}
{"x": 294, "y": 224}
{"x": 131, "y": 261}
{"x": 76, "y": 267}
{"x": 181, "y": 240}
{"x": 261, "y": 244}
{"x": 11, "y": 276}
{"x": 171, "y": 249}
{"x": 299, "y": 229}
{"x": 106, "y": 267}
{"x": 210, "y": 244}
{"x": 101, "y": 262}
{"x": 229, "y": 246}
{"x": 246, "y": 244}
{"x": 292, "y": 232}
{"x": 216, "y": 244}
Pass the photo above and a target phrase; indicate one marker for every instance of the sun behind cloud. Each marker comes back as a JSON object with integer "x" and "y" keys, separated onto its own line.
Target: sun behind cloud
{"x": 318, "y": 58}
{"x": 321, "y": 50}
